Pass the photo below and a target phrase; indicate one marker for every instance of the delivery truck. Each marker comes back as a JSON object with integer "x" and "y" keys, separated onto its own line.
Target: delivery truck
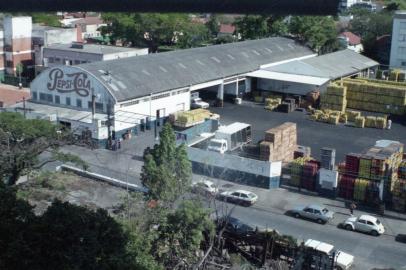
{"x": 231, "y": 137}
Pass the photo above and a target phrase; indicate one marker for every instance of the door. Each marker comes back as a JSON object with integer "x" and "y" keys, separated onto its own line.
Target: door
{"x": 361, "y": 225}
{"x": 308, "y": 212}
{"x": 234, "y": 197}
{"x": 160, "y": 114}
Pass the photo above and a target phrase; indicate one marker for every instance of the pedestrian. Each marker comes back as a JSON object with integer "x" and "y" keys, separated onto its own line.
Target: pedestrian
{"x": 352, "y": 207}
{"x": 389, "y": 123}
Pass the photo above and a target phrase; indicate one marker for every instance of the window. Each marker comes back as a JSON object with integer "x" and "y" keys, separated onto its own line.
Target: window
{"x": 57, "y": 100}
{"x": 50, "y": 59}
{"x": 236, "y": 194}
{"x": 57, "y": 60}
{"x": 45, "y": 97}
{"x": 99, "y": 106}
{"x": 34, "y": 95}
{"x": 362, "y": 221}
{"x": 244, "y": 195}
{"x": 402, "y": 37}
{"x": 67, "y": 101}
{"x": 317, "y": 212}
{"x": 79, "y": 103}
{"x": 403, "y": 64}
{"x": 370, "y": 223}
{"x": 402, "y": 25}
{"x": 77, "y": 62}
{"x": 402, "y": 51}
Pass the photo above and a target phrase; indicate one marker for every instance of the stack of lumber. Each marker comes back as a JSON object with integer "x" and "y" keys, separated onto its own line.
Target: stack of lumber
{"x": 190, "y": 118}
{"x": 280, "y": 143}
{"x": 272, "y": 103}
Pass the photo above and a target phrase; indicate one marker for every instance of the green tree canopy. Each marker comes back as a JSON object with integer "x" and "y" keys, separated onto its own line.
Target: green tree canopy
{"x": 64, "y": 237}
{"x": 167, "y": 169}
{"x": 23, "y": 140}
{"x": 252, "y": 26}
{"x": 317, "y": 31}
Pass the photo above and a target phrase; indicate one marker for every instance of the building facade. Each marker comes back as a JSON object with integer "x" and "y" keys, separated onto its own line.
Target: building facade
{"x": 398, "y": 45}
{"x": 17, "y": 43}
{"x": 80, "y": 53}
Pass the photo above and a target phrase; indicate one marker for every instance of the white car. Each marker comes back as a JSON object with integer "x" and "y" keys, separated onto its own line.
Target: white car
{"x": 243, "y": 197}
{"x": 199, "y": 103}
{"x": 342, "y": 260}
{"x": 365, "y": 223}
{"x": 205, "y": 187}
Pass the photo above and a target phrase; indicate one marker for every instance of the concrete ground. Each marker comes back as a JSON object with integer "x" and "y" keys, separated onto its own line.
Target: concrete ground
{"x": 344, "y": 139}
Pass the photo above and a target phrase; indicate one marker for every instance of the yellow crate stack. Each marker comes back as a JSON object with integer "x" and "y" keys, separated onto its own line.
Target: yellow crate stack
{"x": 376, "y": 96}
{"x": 360, "y": 121}
{"x": 272, "y": 103}
{"x": 334, "y": 98}
{"x": 360, "y": 187}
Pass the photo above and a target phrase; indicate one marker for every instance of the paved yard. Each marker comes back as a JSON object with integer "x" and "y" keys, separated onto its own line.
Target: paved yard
{"x": 343, "y": 138}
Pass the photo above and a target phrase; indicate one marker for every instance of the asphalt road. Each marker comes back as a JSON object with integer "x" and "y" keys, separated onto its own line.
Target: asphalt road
{"x": 369, "y": 251}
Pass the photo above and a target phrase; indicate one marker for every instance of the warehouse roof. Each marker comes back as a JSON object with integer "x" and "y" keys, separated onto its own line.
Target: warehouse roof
{"x": 139, "y": 76}
{"x": 333, "y": 65}
{"x": 91, "y": 48}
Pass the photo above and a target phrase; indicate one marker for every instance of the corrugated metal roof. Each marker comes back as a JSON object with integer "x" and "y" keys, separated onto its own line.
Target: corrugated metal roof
{"x": 271, "y": 75}
{"x": 333, "y": 65}
{"x": 192, "y": 66}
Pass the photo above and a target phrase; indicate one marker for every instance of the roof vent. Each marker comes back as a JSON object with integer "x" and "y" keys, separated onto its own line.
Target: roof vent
{"x": 77, "y": 45}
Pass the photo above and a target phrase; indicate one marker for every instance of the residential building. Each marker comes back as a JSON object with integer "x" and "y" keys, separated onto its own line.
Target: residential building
{"x": 2, "y": 55}
{"x": 90, "y": 26}
{"x": 17, "y": 43}
{"x": 398, "y": 46}
{"x": 79, "y": 53}
{"x": 226, "y": 30}
{"x": 351, "y": 41}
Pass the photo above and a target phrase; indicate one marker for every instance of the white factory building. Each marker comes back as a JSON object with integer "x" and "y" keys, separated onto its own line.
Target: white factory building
{"x": 131, "y": 91}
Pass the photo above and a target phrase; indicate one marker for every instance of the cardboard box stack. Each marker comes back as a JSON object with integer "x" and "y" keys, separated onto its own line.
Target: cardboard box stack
{"x": 334, "y": 98}
{"x": 280, "y": 143}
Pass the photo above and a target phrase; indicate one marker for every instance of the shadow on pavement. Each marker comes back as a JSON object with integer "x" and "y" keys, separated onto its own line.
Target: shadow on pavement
{"x": 400, "y": 238}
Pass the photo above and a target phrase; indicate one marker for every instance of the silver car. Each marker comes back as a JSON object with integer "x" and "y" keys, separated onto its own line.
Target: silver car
{"x": 314, "y": 212}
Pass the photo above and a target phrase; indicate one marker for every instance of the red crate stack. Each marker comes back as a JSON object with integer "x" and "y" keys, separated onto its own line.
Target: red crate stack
{"x": 352, "y": 164}
{"x": 309, "y": 175}
{"x": 346, "y": 186}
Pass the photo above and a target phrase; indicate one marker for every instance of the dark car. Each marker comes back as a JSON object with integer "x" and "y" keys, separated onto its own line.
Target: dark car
{"x": 235, "y": 226}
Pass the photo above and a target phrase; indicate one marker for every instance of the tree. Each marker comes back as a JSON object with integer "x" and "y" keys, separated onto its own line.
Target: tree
{"x": 252, "y": 26}
{"x": 50, "y": 19}
{"x": 19, "y": 70}
{"x": 150, "y": 29}
{"x": 277, "y": 26}
{"x": 180, "y": 238}
{"x": 23, "y": 140}
{"x": 193, "y": 35}
{"x": 317, "y": 31}
{"x": 167, "y": 170}
{"x": 213, "y": 25}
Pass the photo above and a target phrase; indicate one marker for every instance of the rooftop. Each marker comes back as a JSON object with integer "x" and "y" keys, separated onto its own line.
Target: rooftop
{"x": 333, "y": 65}
{"x": 91, "y": 48}
{"x": 352, "y": 38}
{"x": 139, "y": 76}
{"x": 227, "y": 28}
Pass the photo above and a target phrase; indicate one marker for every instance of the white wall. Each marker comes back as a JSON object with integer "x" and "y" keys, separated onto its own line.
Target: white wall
{"x": 146, "y": 108}
{"x": 131, "y": 53}
{"x": 398, "y": 47}
{"x": 17, "y": 27}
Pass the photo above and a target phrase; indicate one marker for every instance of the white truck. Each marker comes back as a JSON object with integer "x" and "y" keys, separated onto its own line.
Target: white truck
{"x": 229, "y": 138}
{"x": 342, "y": 260}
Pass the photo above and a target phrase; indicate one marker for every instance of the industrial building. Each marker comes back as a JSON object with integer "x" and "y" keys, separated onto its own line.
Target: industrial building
{"x": 79, "y": 53}
{"x": 398, "y": 46}
{"x": 132, "y": 91}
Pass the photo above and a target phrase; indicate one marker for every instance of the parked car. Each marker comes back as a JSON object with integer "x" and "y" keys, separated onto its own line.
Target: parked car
{"x": 365, "y": 223}
{"x": 314, "y": 212}
{"x": 342, "y": 260}
{"x": 199, "y": 103}
{"x": 205, "y": 187}
{"x": 235, "y": 226}
{"x": 243, "y": 197}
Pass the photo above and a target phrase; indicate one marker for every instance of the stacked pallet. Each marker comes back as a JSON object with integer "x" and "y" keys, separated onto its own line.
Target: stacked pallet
{"x": 376, "y": 96}
{"x": 360, "y": 121}
{"x": 364, "y": 173}
{"x": 272, "y": 103}
{"x": 351, "y": 115}
{"x": 296, "y": 171}
{"x": 398, "y": 189}
{"x": 334, "y": 98}
{"x": 189, "y": 118}
{"x": 309, "y": 175}
{"x": 280, "y": 143}
{"x": 397, "y": 75}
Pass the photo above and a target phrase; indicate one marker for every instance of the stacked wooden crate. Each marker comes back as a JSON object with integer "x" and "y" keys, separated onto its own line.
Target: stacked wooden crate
{"x": 280, "y": 143}
{"x": 334, "y": 98}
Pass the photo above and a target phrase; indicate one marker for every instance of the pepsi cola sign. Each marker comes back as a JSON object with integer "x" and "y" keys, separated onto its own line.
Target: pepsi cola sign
{"x": 69, "y": 82}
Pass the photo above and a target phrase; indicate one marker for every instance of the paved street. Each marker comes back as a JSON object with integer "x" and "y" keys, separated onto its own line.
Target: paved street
{"x": 270, "y": 210}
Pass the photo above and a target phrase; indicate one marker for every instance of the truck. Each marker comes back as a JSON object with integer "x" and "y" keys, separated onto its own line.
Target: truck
{"x": 342, "y": 260}
{"x": 229, "y": 138}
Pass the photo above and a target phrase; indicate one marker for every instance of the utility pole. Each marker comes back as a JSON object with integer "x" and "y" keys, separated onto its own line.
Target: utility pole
{"x": 24, "y": 109}
{"x": 109, "y": 119}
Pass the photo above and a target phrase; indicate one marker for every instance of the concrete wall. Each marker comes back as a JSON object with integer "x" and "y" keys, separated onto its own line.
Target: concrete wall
{"x": 63, "y": 36}
{"x": 398, "y": 47}
{"x": 64, "y": 55}
{"x": 131, "y": 53}
{"x": 287, "y": 87}
{"x": 235, "y": 168}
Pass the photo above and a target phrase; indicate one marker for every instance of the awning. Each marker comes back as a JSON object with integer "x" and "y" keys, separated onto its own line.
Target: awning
{"x": 264, "y": 74}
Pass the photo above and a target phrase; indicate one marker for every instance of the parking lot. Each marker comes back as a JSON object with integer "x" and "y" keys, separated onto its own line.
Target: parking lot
{"x": 344, "y": 139}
